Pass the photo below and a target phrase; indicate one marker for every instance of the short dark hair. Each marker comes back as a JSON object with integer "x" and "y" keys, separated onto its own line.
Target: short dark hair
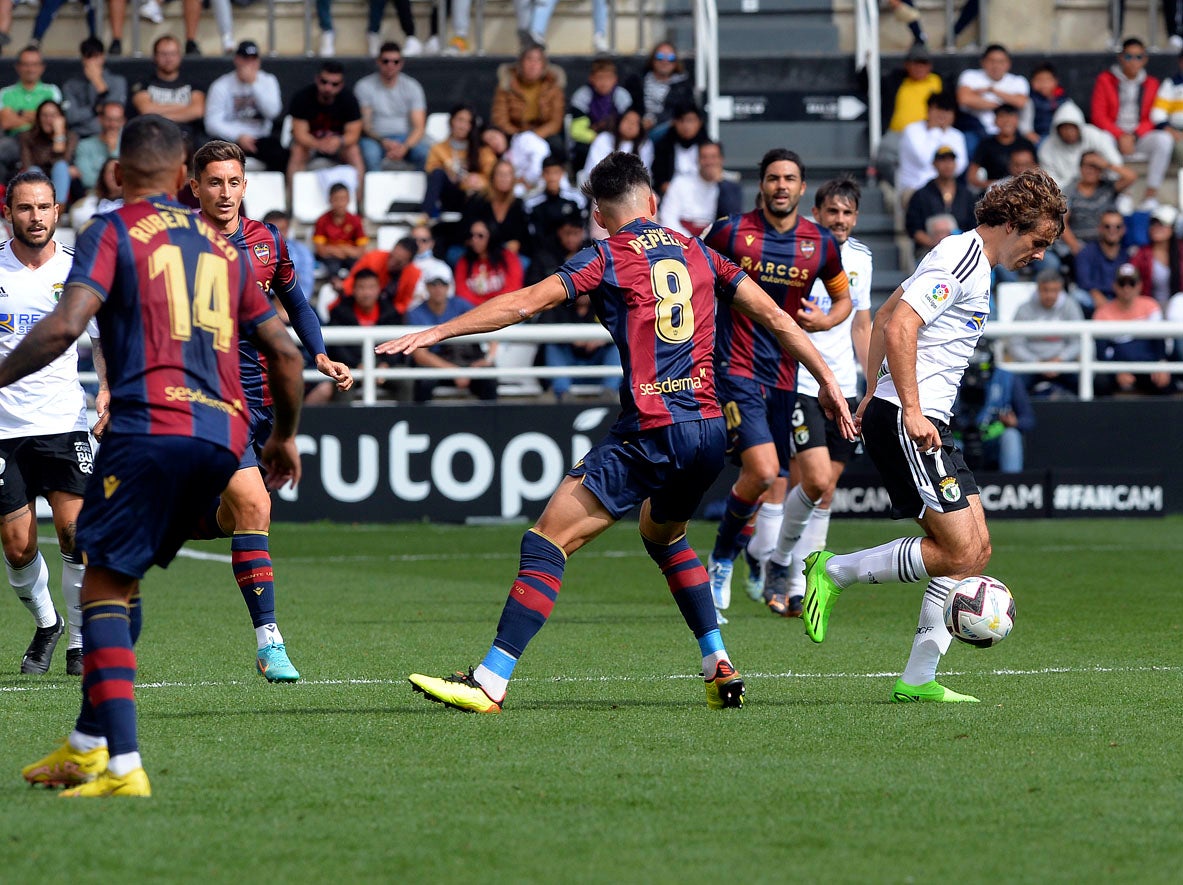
{"x": 777, "y": 155}
{"x": 1006, "y": 109}
{"x": 390, "y": 46}
{"x": 710, "y": 143}
{"x": 1046, "y": 68}
{"x": 366, "y": 274}
{"x": 164, "y": 38}
{"x": 995, "y": 47}
{"x": 90, "y": 47}
{"x": 149, "y": 146}
{"x": 943, "y": 101}
{"x": 278, "y": 215}
{"x": 1132, "y": 41}
{"x": 615, "y": 176}
{"x": 29, "y": 176}
{"x": 337, "y": 187}
{"x": 332, "y": 66}
{"x": 553, "y": 160}
{"x": 407, "y": 243}
{"x": 216, "y": 151}
{"x": 842, "y": 188}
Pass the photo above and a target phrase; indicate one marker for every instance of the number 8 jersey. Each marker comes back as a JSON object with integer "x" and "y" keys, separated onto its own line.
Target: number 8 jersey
{"x": 176, "y": 296}
{"x": 654, "y": 291}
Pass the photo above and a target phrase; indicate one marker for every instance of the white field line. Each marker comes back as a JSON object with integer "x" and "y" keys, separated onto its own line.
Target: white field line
{"x": 214, "y": 683}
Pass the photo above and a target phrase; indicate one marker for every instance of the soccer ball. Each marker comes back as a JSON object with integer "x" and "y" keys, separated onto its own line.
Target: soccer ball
{"x": 980, "y": 611}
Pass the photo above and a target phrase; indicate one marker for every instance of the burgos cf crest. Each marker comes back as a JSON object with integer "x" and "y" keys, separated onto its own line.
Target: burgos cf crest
{"x": 808, "y": 247}
{"x": 58, "y": 288}
{"x": 262, "y": 252}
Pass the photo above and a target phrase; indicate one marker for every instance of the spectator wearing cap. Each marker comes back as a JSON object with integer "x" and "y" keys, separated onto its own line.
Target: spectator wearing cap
{"x": 1097, "y": 263}
{"x": 1129, "y": 304}
{"x": 1093, "y": 193}
{"x": 911, "y": 87}
{"x": 243, "y": 106}
{"x": 441, "y": 305}
{"x": 1123, "y": 97}
{"x": 991, "y": 157}
{"x": 919, "y": 142}
{"x": 393, "y": 113}
{"x": 982, "y": 90}
{"x": 944, "y": 194}
{"x": 1050, "y": 303}
{"x": 1158, "y": 261}
{"x": 83, "y": 96}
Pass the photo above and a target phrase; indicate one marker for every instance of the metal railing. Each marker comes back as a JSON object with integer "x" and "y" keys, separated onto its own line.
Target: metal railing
{"x": 1087, "y": 367}
{"x": 866, "y": 57}
{"x": 706, "y": 60}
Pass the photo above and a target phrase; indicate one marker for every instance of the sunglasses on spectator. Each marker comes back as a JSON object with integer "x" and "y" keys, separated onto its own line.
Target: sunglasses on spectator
{"x": 1113, "y": 226}
{"x": 665, "y": 56}
{"x": 1127, "y": 281}
{"x": 390, "y": 61}
{"x": 1133, "y": 56}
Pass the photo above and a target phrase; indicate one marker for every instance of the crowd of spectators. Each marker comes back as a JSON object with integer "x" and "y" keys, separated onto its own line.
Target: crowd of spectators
{"x": 1119, "y": 257}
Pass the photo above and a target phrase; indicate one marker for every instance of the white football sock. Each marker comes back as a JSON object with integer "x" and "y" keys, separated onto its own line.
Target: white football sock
{"x": 72, "y": 572}
{"x": 711, "y": 662}
{"x": 798, "y": 507}
{"x": 932, "y": 638}
{"x": 493, "y": 684}
{"x": 124, "y": 763}
{"x": 84, "y": 743}
{"x": 898, "y": 561}
{"x": 31, "y": 584}
{"x": 763, "y": 540}
{"x": 268, "y": 634}
{"x": 812, "y": 539}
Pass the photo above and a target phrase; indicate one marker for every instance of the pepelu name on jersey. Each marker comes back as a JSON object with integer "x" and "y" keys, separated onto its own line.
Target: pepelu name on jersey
{"x": 670, "y": 385}
{"x": 775, "y": 274}
{"x": 18, "y": 323}
{"x": 651, "y": 239}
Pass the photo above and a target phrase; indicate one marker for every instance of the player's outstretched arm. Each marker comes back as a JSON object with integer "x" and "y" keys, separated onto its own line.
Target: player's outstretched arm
{"x": 284, "y": 375}
{"x": 496, "y": 313}
{"x": 753, "y": 302}
{"x": 50, "y": 337}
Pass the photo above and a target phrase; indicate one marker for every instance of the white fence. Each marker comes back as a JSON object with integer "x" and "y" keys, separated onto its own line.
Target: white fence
{"x": 1087, "y": 366}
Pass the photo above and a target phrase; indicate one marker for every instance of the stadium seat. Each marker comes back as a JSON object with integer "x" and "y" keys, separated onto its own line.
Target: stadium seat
{"x": 265, "y": 191}
{"x": 516, "y": 355}
{"x": 1008, "y": 297}
{"x": 437, "y": 127}
{"x": 310, "y": 192}
{"x": 389, "y": 234}
{"x": 394, "y": 197}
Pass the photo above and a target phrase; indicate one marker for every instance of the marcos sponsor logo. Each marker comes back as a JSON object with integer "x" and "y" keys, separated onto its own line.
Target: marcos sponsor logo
{"x": 671, "y": 385}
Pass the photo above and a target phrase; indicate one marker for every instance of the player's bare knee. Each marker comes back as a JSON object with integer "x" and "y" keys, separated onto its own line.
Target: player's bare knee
{"x": 20, "y": 549}
{"x": 252, "y": 514}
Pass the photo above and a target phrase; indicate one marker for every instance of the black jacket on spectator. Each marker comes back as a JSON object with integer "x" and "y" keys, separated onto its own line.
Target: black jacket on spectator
{"x": 544, "y": 221}
{"x": 663, "y": 155}
{"x": 515, "y": 226}
{"x": 927, "y": 202}
{"x": 343, "y": 314}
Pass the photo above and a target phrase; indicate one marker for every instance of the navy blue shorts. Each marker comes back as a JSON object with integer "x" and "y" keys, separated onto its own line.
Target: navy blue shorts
{"x": 671, "y": 466}
{"x": 755, "y": 415}
{"x": 145, "y": 498}
{"x": 262, "y": 420}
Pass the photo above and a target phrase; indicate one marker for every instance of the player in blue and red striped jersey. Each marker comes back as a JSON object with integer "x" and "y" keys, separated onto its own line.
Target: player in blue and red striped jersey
{"x": 654, "y": 290}
{"x": 244, "y": 512}
{"x": 785, "y": 253}
{"x": 172, "y": 298}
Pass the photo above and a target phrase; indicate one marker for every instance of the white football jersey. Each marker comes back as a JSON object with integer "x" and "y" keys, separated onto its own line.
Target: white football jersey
{"x": 50, "y": 400}
{"x": 835, "y": 344}
{"x": 950, "y": 290}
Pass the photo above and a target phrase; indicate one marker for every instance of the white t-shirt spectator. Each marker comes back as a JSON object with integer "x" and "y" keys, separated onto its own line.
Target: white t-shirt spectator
{"x": 918, "y": 145}
{"x": 234, "y": 109}
{"x": 1011, "y": 84}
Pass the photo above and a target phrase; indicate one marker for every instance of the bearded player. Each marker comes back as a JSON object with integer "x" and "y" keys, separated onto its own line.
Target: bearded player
{"x": 244, "y": 512}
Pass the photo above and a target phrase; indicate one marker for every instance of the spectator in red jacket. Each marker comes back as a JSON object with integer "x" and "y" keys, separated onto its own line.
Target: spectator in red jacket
{"x": 1122, "y": 99}
{"x": 486, "y": 268}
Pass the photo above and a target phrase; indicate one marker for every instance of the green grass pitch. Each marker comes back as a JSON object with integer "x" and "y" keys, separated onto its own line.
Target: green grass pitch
{"x": 607, "y": 765}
